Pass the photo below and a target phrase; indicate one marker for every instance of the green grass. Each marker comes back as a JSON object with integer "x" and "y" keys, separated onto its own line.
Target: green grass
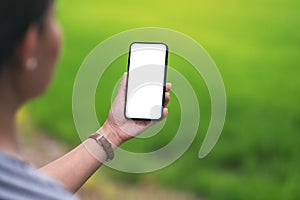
{"x": 256, "y": 46}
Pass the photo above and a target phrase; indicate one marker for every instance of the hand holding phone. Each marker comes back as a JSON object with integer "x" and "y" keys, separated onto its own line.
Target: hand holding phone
{"x": 117, "y": 127}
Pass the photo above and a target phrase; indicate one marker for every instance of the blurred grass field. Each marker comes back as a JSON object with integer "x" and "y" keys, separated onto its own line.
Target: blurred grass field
{"x": 255, "y": 45}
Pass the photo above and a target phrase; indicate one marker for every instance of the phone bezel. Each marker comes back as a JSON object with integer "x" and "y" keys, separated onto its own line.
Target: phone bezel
{"x": 164, "y": 82}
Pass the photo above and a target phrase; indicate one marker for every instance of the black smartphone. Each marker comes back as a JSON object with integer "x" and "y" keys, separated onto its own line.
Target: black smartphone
{"x": 146, "y": 81}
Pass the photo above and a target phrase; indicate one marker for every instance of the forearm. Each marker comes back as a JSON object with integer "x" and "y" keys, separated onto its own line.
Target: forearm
{"x": 76, "y": 167}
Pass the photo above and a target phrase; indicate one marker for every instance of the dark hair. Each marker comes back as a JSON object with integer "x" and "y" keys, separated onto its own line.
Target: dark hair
{"x": 15, "y": 18}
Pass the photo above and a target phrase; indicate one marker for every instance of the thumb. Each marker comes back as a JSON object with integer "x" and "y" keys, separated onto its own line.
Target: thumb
{"x": 123, "y": 82}
{"x": 122, "y": 87}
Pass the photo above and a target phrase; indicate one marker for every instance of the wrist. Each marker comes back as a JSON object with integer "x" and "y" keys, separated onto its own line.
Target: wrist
{"x": 111, "y": 135}
{"x": 95, "y": 150}
{"x": 105, "y": 144}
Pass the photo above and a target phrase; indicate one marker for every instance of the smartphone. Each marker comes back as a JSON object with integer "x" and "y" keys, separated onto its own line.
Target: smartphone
{"x": 146, "y": 81}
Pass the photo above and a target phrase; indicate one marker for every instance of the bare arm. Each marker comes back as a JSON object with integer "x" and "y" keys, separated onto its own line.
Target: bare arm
{"x": 74, "y": 168}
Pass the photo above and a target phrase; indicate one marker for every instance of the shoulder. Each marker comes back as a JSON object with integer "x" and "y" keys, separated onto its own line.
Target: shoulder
{"x": 20, "y": 180}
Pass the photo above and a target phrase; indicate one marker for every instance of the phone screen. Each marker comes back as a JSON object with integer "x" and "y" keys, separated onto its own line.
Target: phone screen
{"x": 146, "y": 79}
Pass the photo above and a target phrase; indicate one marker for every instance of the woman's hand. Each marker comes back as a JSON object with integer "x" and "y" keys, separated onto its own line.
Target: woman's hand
{"x": 117, "y": 129}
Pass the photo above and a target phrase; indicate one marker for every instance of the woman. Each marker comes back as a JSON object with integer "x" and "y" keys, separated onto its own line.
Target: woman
{"x": 29, "y": 48}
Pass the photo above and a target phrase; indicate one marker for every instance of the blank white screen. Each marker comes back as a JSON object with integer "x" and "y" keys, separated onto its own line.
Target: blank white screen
{"x": 146, "y": 81}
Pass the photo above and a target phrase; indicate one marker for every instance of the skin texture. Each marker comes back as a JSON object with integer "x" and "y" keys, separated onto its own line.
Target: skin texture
{"x": 19, "y": 83}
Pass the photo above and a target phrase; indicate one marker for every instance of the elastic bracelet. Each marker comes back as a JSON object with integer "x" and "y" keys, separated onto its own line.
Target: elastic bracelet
{"x": 106, "y": 145}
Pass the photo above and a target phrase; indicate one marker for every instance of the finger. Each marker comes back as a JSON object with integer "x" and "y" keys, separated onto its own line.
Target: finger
{"x": 119, "y": 100}
{"x": 122, "y": 86}
{"x": 124, "y": 79}
{"x": 167, "y": 98}
{"x": 168, "y": 87}
{"x": 165, "y": 112}
{"x": 142, "y": 123}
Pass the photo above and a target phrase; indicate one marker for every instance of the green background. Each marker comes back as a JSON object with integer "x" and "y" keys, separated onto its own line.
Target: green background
{"x": 255, "y": 45}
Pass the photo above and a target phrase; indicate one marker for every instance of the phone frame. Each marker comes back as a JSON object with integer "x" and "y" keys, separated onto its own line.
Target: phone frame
{"x": 164, "y": 82}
